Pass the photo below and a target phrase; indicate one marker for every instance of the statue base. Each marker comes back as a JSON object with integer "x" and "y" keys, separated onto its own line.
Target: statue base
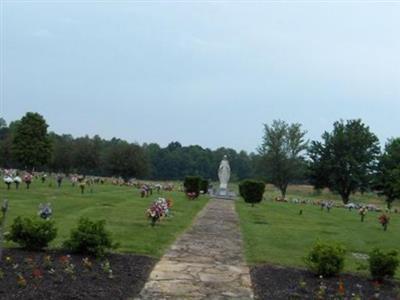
{"x": 223, "y": 194}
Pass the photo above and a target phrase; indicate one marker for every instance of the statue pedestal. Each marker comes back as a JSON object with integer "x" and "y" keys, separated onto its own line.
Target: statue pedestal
{"x": 223, "y": 194}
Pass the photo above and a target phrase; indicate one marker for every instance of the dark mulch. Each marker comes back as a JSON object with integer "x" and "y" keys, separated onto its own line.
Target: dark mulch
{"x": 273, "y": 282}
{"x": 129, "y": 273}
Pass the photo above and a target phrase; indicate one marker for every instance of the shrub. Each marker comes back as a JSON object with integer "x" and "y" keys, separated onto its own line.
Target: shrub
{"x": 192, "y": 185}
{"x": 383, "y": 264}
{"x": 326, "y": 259}
{"x": 90, "y": 237}
{"x": 252, "y": 191}
{"x": 204, "y": 185}
{"x": 32, "y": 233}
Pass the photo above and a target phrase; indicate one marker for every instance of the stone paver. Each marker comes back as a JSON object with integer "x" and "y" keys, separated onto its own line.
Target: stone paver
{"x": 206, "y": 262}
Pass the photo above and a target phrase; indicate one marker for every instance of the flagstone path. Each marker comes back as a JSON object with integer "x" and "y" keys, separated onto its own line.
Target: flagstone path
{"x": 206, "y": 262}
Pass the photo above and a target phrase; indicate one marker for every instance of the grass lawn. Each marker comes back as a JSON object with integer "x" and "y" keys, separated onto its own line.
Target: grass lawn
{"x": 276, "y": 233}
{"x": 121, "y": 207}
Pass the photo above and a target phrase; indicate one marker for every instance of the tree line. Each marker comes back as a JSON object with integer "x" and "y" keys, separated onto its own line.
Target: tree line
{"x": 346, "y": 160}
{"x": 26, "y": 144}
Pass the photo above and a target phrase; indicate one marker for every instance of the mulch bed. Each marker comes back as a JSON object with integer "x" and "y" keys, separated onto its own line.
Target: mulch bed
{"x": 274, "y": 282}
{"x": 29, "y": 275}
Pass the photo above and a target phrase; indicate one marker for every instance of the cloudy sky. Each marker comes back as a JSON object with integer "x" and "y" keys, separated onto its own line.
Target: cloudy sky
{"x": 201, "y": 72}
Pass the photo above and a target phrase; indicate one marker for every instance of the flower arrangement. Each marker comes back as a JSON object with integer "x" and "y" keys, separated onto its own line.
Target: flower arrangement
{"x": 384, "y": 221}
{"x": 17, "y": 181}
{"x": 362, "y": 212}
{"x": 28, "y": 179}
{"x": 47, "y": 262}
{"x": 82, "y": 185}
{"x": 7, "y": 180}
{"x": 21, "y": 281}
{"x": 65, "y": 259}
{"x": 37, "y": 273}
{"x": 45, "y": 211}
{"x": 160, "y": 208}
{"x": 87, "y": 264}
{"x": 170, "y": 203}
{"x": 106, "y": 267}
{"x": 69, "y": 267}
{"x": 341, "y": 289}
{"x": 191, "y": 195}
{"x": 30, "y": 262}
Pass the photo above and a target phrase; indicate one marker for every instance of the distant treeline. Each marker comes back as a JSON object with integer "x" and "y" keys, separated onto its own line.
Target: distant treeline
{"x": 116, "y": 157}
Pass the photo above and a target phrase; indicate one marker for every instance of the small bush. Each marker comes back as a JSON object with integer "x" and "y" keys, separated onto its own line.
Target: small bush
{"x": 192, "y": 185}
{"x": 90, "y": 237}
{"x": 252, "y": 191}
{"x": 383, "y": 264}
{"x": 204, "y": 185}
{"x": 326, "y": 259}
{"x": 32, "y": 233}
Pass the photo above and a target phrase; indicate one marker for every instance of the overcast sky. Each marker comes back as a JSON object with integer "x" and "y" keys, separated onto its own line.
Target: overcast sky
{"x": 207, "y": 73}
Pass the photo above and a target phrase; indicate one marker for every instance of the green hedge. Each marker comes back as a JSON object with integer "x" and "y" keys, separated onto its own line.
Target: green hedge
{"x": 90, "y": 237}
{"x": 326, "y": 258}
{"x": 192, "y": 184}
{"x": 383, "y": 264}
{"x": 204, "y": 185}
{"x": 252, "y": 191}
{"x": 32, "y": 233}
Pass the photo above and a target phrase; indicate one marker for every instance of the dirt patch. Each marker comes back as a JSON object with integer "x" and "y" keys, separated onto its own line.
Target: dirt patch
{"x": 55, "y": 275}
{"x": 273, "y": 282}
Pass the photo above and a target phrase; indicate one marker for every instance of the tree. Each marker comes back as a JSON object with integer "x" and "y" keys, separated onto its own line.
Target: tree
{"x": 387, "y": 177}
{"x": 86, "y": 155}
{"x": 3, "y": 123}
{"x": 252, "y": 191}
{"x": 31, "y": 143}
{"x": 192, "y": 184}
{"x": 62, "y": 154}
{"x": 7, "y": 134}
{"x": 89, "y": 155}
{"x": 345, "y": 160}
{"x": 282, "y": 153}
{"x": 126, "y": 160}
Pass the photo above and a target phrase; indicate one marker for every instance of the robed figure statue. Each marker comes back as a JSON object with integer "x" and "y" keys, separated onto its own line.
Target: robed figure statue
{"x": 224, "y": 173}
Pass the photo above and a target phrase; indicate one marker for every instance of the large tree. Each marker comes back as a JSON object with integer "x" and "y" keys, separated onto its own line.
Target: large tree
{"x": 345, "y": 159}
{"x": 31, "y": 143}
{"x": 387, "y": 177}
{"x": 62, "y": 154}
{"x": 126, "y": 160}
{"x": 86, "y": 155}
{"x": 282, "y": 153}
{"x": 7, "y": 134}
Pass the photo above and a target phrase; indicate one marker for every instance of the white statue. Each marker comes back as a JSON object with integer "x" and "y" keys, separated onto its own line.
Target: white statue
{"x": 224, "y": 173}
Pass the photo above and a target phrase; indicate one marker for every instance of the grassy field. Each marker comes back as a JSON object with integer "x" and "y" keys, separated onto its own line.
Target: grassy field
{"x": 121, "y": 207}
{"x": 308, "y": 192}
{"x": 275, "y": 232}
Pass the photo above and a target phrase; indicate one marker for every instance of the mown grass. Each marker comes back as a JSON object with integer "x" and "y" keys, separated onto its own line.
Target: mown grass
{"x": 276, "y": 233}
{"x": 307, "y": 192}
{"x": 121, "y": 207}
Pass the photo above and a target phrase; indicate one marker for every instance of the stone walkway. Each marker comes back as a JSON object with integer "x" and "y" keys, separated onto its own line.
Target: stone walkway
{"x": 206, "y": 262}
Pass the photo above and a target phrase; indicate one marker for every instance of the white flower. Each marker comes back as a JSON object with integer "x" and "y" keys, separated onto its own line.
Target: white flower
{"x": 7, "y": 179}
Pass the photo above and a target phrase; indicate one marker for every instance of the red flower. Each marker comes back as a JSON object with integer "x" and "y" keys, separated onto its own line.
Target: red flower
{"x": 341, "y": 289}
{"x": 384, "y": 219}
{"x": 37, "y": 273}
{"x": 65, "y": 259}
{"x": 376, "y": 284}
